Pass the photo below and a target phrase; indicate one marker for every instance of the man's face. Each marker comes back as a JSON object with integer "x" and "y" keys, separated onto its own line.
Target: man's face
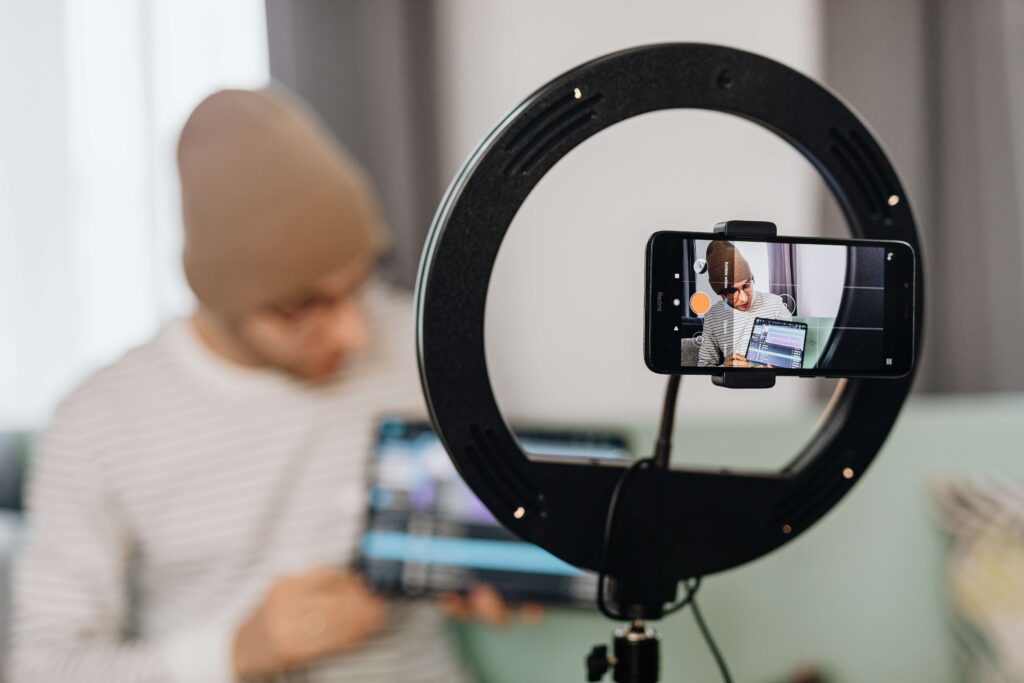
{"x": 310, "y": 336}
{"x": 738, "y": 296}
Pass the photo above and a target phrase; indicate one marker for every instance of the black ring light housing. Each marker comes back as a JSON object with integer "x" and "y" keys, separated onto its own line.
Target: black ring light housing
{"x": 673, "y": 524}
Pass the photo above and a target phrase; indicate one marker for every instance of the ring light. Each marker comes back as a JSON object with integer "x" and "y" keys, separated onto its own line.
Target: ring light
{"x": 674, "y": 524}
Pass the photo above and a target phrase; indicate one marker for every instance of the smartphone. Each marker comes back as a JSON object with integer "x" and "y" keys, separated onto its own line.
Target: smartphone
{"x": 798, "y": 306}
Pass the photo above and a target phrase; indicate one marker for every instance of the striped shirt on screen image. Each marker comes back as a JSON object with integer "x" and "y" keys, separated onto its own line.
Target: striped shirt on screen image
{"x": 727, "y": 331}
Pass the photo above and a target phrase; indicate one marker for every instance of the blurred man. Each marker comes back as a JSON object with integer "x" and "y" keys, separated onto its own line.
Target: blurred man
{"x": 728, "y": 323}
{"x": 193, "y": 504}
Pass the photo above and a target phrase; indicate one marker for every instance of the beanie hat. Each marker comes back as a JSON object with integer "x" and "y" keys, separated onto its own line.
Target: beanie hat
{"x": 726, "y": 265}
{"x": 270, "y": 201}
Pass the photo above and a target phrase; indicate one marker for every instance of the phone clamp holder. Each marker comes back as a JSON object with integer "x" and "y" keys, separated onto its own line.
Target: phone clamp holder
{"x": 677, "y": 524}
{"x": 757, "y": 378}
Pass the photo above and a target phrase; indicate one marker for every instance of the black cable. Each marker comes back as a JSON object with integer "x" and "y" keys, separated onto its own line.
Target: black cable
{"x": 609, "y": 525}
{"x": 662, "y": 450}
{"x": 692, "y": 586}
{"x": 715, "y": 652}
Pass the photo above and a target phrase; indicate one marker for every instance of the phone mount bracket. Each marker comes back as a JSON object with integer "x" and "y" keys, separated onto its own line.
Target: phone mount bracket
{"x": 677, "y": 523}
{"x": 747, "y": 229}
{"x": 747, "y": 378}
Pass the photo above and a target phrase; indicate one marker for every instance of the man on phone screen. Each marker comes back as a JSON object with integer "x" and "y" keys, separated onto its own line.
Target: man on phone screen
{"x": 728, "y": 323}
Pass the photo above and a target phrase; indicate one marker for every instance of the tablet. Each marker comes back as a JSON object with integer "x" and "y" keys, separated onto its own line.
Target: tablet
{"x": 426, "y": 532}
{"x": 779, "y": 343}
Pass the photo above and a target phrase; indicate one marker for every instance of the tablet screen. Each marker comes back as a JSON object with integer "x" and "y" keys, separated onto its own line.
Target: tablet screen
{"x": 427, "y": 532}
{"x": 779, "y": 343}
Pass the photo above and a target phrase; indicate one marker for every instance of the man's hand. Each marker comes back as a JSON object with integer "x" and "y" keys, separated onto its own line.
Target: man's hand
{"x": 736, "y": 360}
{"x": 486, "y": 604}
{"x": 305, "y": 617}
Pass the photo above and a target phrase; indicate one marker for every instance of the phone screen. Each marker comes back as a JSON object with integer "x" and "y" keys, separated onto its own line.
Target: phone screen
{"x": 797, "y": 306}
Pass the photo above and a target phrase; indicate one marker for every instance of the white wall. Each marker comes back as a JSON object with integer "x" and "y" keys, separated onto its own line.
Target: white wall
{"x": 35, "y": 244}
{"x": 821, "y": 272}
{"x": 564, "y": 325}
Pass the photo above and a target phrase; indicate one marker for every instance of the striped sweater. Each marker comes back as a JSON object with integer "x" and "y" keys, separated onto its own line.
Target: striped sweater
{"x": 172, "y": 488}
{"x": 727, "y": 331}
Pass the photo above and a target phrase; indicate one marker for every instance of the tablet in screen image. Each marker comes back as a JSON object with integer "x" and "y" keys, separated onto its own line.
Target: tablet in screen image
{"x": 779, "y": 343}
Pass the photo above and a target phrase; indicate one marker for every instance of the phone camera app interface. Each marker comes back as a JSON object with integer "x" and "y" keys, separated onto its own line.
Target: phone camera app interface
{"x": 755, "y": 304}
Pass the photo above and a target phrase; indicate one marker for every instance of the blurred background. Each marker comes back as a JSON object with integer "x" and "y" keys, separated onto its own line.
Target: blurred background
{"x": 95, "y": 93}
{"x": 89, "y": 215}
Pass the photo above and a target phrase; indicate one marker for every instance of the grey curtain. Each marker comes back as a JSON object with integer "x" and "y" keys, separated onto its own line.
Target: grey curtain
{"x": 368, "y": 67}
{"x": 782, "y": 274}
{"x": 942, "y": 83}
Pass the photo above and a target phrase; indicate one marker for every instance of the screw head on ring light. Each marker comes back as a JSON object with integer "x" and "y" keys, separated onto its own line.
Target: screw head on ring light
{"x": 673, "y": 524}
